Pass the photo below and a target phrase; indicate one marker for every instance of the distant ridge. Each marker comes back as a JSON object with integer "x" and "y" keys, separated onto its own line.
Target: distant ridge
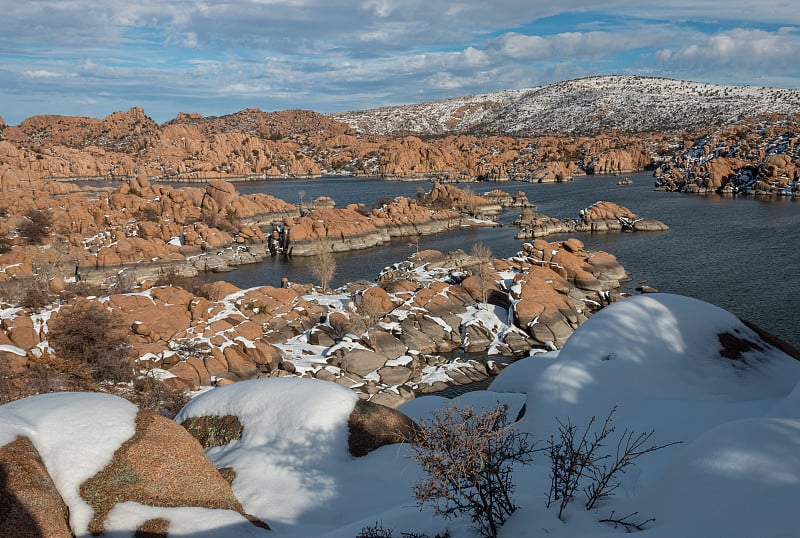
{"x": 586, "y": 106}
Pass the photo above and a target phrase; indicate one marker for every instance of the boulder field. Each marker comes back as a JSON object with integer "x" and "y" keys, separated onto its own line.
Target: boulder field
{"x": 429, "y": 322}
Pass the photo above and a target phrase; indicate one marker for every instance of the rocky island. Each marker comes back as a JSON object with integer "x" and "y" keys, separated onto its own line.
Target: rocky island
{"x": 599, "y": 217}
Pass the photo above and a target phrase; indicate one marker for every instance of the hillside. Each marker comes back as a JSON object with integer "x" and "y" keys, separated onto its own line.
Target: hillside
{"x": 612, "y": 124}
{"x": 587, "y": 106}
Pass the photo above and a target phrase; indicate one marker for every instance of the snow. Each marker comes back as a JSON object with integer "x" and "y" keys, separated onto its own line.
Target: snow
{"x": 656, "y": 357}
{"x": 622, "y": 103}
{"x": 184, "y": 521}
{"x": 76, "y": 435}
{"x": 13, "y": 349}
{"x": 498, "y": 320}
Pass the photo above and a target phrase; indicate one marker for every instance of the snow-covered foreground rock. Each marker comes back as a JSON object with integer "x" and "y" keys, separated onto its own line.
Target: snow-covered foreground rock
{"x": 688, "y": 370}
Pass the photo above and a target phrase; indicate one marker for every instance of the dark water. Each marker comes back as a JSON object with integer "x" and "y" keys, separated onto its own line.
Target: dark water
{"x": 739, "y": 253}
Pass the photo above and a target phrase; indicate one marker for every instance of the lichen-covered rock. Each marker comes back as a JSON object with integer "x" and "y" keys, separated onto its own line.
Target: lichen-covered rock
{"x": 30, "y": 504}
{"x": 161, "y": 465}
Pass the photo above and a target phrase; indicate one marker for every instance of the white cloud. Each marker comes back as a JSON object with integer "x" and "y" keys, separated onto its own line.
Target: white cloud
{"x": 43, "y": 73}
{"x": 333, "y": 55}
{"x": 190, "y": 41}
{"x": 738, "y": 48}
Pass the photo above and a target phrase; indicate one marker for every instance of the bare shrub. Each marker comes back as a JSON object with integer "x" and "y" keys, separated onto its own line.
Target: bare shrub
{"x": 467, "y": 459}
{"x": 379, "y": 531}
{"x": 370, "y": 312}
{"x": 149, "y": 392}
{"x": 148, "y": 212}
{"x": 229, "y": 222}
{"x": 35, "y": 295}
{"x": 190, "y": 348}
{"x": 89, "y": 332}
{"x": 35, "y": 226}
{"x": 204, "y": 290}
{"x": 578, "y": 461}
{"x": 120, "y": 282}
{"x": 323, "y": 263}
{"x": 46, "y": 374}
{"x": 342, "y": 325}
{"x": 82, "y": 288}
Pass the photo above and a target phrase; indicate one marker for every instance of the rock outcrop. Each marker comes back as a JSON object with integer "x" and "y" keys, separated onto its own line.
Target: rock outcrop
{"x": 599, "y": 217}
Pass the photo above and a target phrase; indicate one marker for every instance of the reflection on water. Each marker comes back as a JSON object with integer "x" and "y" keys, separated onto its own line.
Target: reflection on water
{"x": 740, "y": 254}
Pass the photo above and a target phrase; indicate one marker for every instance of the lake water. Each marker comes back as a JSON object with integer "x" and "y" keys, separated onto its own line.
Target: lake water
{"x": 739, "y": 253}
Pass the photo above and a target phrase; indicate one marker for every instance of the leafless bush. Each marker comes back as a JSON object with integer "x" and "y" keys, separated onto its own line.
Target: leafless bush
{"x": 149, "y": 392}
{"x": 82, "y": 288}
{"x": 370, "y": 312}
{"x": 204, "y": 289}
{"x": 120, "y": 282}
{"x": 229, "y": 222}
{"x": 379, "y": 531}
{"x": 46, "y": 374}
{"x": 342, "y": 326}
{"x": 35, "y": 295}
{"x": 190, "y": 348}
{"x": 89, "y": 332}
{"x": 578, "y": 460}
{"x": 148, "y": 212}
{"x": 467, "y": 460}
{"x": 35, "y": 226}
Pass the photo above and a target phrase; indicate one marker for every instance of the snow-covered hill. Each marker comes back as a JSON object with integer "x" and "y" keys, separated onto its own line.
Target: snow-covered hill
{"x": 584, "y": 106}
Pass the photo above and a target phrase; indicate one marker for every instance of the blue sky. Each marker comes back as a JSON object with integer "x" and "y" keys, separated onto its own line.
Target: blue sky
{"x": 90, "y": 58}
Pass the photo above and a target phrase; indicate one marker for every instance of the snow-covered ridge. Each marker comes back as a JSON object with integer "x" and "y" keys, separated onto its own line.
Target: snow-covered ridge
{"x": 629, "y": 104}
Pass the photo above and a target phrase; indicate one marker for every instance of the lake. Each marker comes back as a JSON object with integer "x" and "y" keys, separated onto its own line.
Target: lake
{"x": 738, "y": 253}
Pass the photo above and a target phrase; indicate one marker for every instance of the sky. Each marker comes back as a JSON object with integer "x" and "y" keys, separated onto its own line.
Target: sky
{"x": 89, "y": 58}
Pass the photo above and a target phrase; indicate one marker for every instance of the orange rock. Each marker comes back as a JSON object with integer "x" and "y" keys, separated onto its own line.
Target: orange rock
{"x": 375, "y": 299}
{"x": 219, "y": 290}
{"x": 187, "y": 373}
{"x": 239, "y": 364}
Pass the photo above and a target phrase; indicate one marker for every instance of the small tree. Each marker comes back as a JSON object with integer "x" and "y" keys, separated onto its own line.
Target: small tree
{"x": 323, "y": 263}
{"x": 89, "y": 332}
{"x": 483, "y": 254}
{"x": 467, "y": 459}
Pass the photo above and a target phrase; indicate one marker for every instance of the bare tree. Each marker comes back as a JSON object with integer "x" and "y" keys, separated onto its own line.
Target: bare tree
{"x": 483, "y": 254}
{"x": 415, "y": 242}
{"x": 323, "y": 262}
